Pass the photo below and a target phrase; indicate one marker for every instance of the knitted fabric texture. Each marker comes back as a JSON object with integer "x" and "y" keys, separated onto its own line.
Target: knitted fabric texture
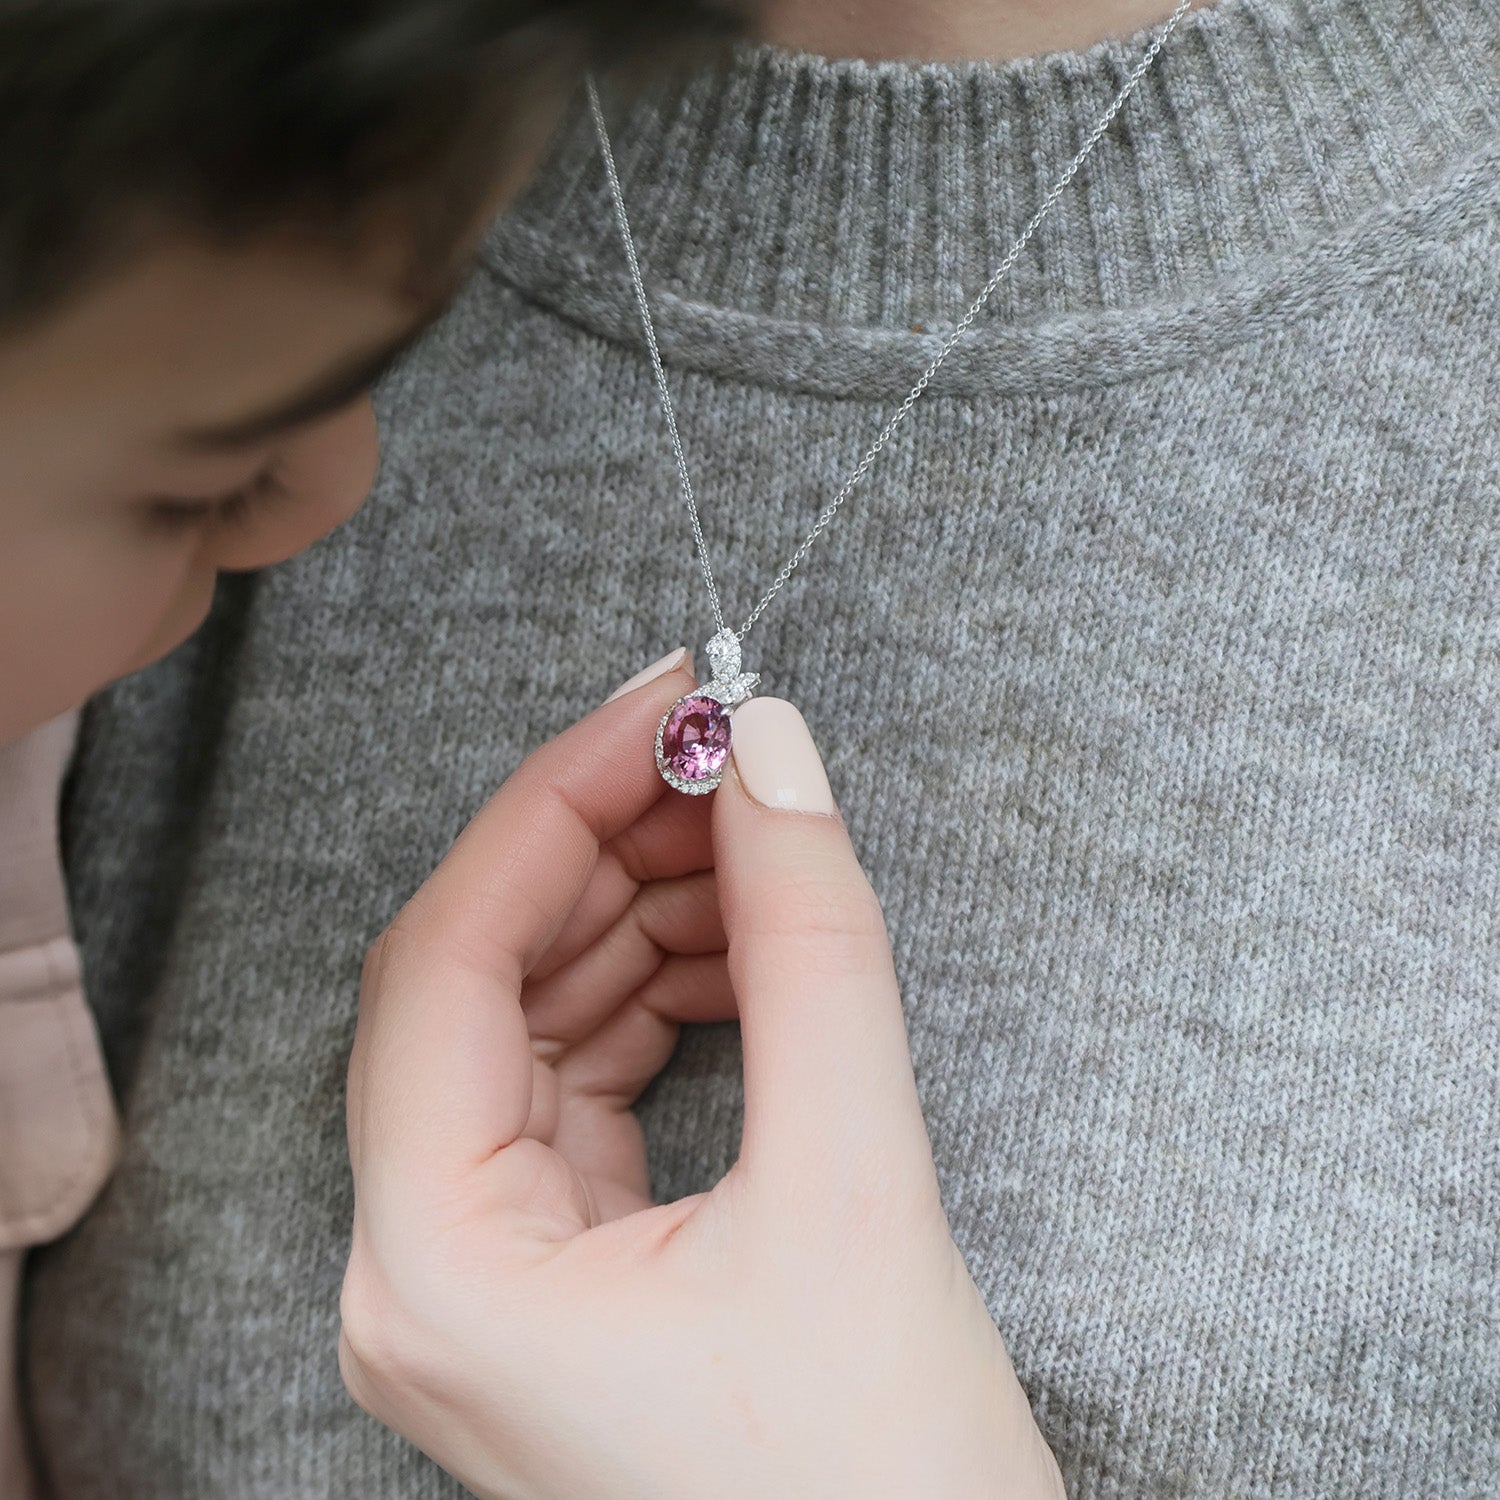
{"x": 1158, "y": 669}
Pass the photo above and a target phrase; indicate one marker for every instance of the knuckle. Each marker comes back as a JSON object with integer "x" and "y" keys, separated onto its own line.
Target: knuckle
{"x": 380, "y": 1346}
{"x": 364, "y": 1321}
{"x": 375, "y": 955}
{"x": 838, "y": 919}
{"x": 356, "y": 1382}
{"x": 400, "y": 945}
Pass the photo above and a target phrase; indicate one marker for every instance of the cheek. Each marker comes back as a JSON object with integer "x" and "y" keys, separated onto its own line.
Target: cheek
{"x": 325, "y": 476}
{"x": 77, "y": 612}
{"x": 184, "y": 608}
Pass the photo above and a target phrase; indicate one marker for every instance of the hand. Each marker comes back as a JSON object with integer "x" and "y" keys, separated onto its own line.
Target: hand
{"x": 513, "y": 1303}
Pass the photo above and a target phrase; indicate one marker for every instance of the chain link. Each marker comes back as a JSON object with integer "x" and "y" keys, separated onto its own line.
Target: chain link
{"x": 825, "y": 517}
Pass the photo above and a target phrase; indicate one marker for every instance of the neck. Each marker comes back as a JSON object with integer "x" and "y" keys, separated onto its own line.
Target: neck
{"x": 950, "y": 30}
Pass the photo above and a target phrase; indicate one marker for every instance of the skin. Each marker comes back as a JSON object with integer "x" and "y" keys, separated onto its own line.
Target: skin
{"x": 199, "y": 410}
{"x": 950, "y": 30}
{"x": 515, "y": 1303}
{"x": 203, "y": 408}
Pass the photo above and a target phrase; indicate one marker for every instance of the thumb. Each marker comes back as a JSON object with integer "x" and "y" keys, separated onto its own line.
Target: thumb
{"x": 830, "y": 1101}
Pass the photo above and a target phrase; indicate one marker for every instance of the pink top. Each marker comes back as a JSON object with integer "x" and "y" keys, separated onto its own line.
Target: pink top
{"x": 58, "y": 1129}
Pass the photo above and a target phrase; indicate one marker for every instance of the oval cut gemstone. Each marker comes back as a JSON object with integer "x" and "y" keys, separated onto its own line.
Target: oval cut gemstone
{"x": 695, "y": 738}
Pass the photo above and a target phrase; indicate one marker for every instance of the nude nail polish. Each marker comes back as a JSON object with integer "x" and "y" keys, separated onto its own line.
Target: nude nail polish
{"x": 777, "y": 761}
{"x": 670, "y": 662}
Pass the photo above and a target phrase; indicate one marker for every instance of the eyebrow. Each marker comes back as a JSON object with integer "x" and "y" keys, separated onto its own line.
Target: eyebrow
{"x": 330, "y": 392}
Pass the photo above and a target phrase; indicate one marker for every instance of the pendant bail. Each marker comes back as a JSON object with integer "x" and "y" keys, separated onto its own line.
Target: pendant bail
{"x": 729, "y": 684}
{"x": 724, "y": 654}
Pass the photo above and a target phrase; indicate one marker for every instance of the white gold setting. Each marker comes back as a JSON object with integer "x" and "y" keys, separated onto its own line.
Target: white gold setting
{"x": 728, "y": 686}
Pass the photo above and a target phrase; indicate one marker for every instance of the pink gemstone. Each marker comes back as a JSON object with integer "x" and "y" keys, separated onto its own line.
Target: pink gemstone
{"x": 695, "y": 740}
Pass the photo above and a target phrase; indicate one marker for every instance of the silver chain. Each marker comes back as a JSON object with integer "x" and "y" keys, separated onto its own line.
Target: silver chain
{"x": 1058, "y": 188}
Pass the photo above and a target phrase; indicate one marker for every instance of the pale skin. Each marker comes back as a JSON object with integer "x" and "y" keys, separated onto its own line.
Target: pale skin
{"x": 134, "y": 419}
{"x": 199, "y": 408}
{"x": 951, "y": 30}
{"x": 514, "y": 1302}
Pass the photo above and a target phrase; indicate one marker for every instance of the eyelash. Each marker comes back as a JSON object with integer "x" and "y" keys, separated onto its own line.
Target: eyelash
{"x": 227, "y": 509}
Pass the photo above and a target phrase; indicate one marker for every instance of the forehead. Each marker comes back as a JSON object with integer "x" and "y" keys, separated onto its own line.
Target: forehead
{"x": 192, "y": 336}
{"x": 207, "y": 329}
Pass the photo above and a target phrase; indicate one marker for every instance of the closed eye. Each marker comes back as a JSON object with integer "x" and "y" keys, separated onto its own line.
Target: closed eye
{"x": 176, "y": 512}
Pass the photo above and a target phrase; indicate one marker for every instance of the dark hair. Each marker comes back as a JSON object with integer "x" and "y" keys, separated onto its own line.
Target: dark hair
{"x": 229, "y": 117}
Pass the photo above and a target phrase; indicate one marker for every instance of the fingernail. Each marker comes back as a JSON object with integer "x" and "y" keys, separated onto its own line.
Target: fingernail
{"x": 668, "y": 663}
{"x": 778, "y": 764}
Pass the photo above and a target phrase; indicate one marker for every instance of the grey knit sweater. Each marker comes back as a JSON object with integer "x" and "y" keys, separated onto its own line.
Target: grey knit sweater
{"x": 1158, "y": 669}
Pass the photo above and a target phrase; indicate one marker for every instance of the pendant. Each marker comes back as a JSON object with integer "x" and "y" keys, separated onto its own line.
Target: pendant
{"x": 692, "y": 740}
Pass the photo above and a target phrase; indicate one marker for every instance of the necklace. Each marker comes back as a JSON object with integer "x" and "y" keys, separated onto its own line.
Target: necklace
{"x": 693, "y": 738}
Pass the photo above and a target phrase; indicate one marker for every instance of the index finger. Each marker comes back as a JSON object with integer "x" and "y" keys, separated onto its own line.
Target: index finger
{"x": 440, "y": 1076}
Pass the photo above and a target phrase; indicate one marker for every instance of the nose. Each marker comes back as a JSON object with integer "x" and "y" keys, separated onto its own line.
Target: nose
{"x": 323, "y": 474}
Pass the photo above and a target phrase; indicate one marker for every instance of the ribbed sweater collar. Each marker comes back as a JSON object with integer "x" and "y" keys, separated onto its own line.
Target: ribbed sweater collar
{"x": 848, "y": 194}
